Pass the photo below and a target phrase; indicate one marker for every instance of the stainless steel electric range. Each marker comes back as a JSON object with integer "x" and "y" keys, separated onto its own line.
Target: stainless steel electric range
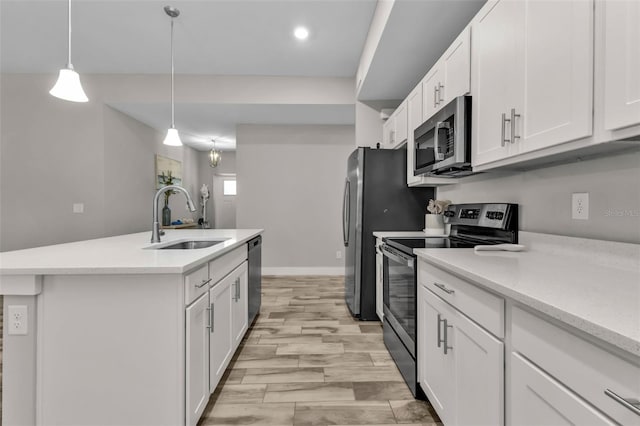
{"x": 471, "y": 225}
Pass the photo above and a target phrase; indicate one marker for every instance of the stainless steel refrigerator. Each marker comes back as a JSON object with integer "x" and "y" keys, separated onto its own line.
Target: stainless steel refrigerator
{"x": 376, "y": 198}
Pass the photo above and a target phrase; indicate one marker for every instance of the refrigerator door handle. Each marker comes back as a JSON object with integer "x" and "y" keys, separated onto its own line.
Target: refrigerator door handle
{"x": 345, "y": 213}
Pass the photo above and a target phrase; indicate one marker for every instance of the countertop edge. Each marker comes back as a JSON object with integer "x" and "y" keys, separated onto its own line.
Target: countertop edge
{"x": 607, "y": 335}
{"x": 130, "y": 270}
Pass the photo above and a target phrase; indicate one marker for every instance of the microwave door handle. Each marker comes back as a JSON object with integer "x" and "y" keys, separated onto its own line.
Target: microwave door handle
{"x": 436, "y": 140}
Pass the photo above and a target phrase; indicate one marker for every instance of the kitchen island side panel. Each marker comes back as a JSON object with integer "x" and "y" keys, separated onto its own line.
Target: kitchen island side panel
{"x": 110, "y": 350}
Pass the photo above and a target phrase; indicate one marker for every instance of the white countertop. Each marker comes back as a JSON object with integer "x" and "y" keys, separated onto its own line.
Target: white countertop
{"x": 591, "y": 285}
{"x": 123, "y": 254}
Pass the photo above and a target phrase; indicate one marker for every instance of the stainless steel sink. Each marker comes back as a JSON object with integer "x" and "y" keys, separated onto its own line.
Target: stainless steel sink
{"x": 191, "y": 245}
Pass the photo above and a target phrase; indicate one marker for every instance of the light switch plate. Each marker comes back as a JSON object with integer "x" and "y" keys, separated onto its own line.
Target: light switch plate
{"x": 78, "y": 207}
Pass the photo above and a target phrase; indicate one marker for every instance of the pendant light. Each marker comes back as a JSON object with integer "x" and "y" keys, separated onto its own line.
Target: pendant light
{"x": 214, "y": 156}
{"x": 68, "y": 86}
{"x": 172, "y": 138}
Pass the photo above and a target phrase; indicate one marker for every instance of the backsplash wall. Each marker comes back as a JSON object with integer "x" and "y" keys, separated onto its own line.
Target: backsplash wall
{"x": 544, "y": 196}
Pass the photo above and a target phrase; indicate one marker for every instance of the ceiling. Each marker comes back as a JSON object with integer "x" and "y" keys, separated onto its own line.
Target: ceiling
{"x": 232, "y": 37}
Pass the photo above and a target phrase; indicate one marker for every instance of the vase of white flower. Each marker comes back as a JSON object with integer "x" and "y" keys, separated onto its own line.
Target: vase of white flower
{"x": 434, "y": 220}
{"x": 166, "y": 180}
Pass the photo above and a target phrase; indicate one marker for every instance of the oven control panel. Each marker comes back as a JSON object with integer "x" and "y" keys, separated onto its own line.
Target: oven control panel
{"x": 469, "y": 213}
{"x": 496, "y": 215}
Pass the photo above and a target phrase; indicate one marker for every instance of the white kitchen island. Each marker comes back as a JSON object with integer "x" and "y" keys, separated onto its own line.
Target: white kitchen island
{"x": 120, "y": 333}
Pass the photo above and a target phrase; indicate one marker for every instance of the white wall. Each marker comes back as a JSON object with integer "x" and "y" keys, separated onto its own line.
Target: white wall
{"x": 290, "y": 182}
{"x": 55, "y": 153}
{"x": 544, "y": 196}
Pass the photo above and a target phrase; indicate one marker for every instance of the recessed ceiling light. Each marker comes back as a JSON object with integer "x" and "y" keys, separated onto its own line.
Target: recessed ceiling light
{"x": 301, "y": 33}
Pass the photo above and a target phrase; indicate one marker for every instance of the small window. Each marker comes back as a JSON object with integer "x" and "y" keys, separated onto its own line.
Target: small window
{"x": 229, "y": 187}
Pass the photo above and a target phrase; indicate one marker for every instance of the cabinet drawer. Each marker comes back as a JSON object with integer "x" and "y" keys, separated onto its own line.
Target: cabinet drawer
{"x": 196, "y": 284}
{"x": 538, "y": 399}
{"x": 481, "y": 306}
{"x": 222, "y": 266}
{"x": 585, "y": 368}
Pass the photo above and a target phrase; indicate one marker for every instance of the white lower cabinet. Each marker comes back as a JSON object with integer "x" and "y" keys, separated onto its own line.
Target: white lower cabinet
{"x": 460, "y": 365}
{"x": 571, "y": 377}
{"x": 538, "y": 399}
{"x": 220, "y": 342}
{"x": 197, "y": 356}
{"x": 479, "y": 374}
{"x": 216, "y": 322}
{"x": 436, "y": 370}
{"x": 239, "y": 304}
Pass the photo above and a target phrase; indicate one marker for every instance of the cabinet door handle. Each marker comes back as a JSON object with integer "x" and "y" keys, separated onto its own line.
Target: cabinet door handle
{"x": 513, "y": 125}
{"x": 628, "y": 403}
{"x": 440, "y": 95}
{"x": 211, "y": 325}
{"x": 445, "y": 341}
{"x": 435, "y": 96}
{"x": 392, "y": 136}
{"x": 444, "y": 288}
{"x": 203, "y": 283}
{"x": 503, "y": 139}
{"x": 440, "y": 340}
{"x": 236, "y": 290}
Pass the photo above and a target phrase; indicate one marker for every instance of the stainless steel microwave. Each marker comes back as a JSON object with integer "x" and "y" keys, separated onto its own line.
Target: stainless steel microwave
{"x": 443, "y": 142}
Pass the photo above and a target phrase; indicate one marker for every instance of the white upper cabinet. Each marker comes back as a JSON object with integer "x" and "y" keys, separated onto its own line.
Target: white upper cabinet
{"x": 430, "y": 92}
{"x": 401, "y": 120}
{"x": 496, "y": 77}
{"x": 558, "y": 74}
{"x": 532, "y": 76}
{"x": 622, "y": 64}
{"x": 387, "y": 132}
{"x": 449, "y": 77}
{"x": 394, "y": 130}
{"x": 456, "y": 68}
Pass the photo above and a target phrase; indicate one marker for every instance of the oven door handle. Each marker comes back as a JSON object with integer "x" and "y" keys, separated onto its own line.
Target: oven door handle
{"x": 397, "y": 256}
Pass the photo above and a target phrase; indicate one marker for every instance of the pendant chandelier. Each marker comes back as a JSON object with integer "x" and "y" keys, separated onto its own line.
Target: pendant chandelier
{"x": 214, "y": 156}
{"x": 172, "y": 138}
{"x": 68, "y": 85}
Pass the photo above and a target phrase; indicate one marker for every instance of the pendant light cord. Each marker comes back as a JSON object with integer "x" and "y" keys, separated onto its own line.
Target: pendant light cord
{"x": 173, "y": 124}
{"x": 69, "y": 50}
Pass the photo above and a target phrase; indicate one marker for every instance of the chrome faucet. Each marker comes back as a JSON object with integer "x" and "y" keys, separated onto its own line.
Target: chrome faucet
{"x": 155, "y": 231}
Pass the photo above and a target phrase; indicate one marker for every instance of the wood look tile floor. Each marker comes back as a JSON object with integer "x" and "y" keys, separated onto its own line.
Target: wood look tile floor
{"x": 306, "y": 361}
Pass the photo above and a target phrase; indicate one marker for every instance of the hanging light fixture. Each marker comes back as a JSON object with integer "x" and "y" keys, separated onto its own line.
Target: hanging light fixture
{"x": 68, "y": 86}
{"x": 172, "y": 138}
{"x": 214, "y": 156}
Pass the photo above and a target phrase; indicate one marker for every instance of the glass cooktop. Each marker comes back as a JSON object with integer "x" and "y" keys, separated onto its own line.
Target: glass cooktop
{"x": 407, "y": 245}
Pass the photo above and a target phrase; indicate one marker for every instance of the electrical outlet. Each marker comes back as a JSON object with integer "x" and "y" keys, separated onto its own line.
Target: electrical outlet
{"x": 580, "y": 205}
{"x": 78, "y": 207}
{"x": 339, "y": 254}
{"x": 18, "y": 320}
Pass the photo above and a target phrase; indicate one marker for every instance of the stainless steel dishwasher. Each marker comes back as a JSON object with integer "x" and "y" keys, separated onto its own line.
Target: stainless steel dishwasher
{"x": 255, "y": 277}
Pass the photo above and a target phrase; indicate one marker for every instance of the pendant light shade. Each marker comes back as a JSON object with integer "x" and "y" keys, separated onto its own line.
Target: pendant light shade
{"x": 214, "y": 156}
{"x": 68, "y": 86}
{"x": 172, "y": 138}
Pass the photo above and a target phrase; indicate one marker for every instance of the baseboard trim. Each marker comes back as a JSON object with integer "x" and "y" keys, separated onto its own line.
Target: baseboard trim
{"x": 311, "y": 270}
